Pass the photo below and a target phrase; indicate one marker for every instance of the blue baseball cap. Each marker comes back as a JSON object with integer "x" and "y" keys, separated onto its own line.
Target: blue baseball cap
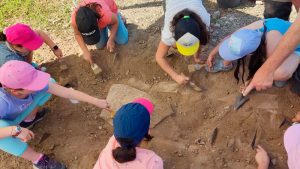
{"x": 240, "y": 44}
{"x": 131, "y": 122}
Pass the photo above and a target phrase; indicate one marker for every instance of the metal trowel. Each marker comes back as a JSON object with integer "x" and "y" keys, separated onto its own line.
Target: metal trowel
{"x": 240, "y": 101}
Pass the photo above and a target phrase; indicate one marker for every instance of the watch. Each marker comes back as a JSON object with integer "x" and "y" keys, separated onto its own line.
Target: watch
{"x": 17, "y": 131}
{"x": 55, "y": 48}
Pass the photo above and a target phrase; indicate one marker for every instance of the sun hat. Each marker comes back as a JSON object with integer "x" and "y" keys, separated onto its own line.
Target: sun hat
{"x": 21, "y": 34}
{"x": 131, "y": 122}
{"x": 187, "y": 36}
{"x": 21, "y": 75}
{"x": 87, "y": 24}
{"x": 146, "y": 103}
{"x": 240, "y": 44}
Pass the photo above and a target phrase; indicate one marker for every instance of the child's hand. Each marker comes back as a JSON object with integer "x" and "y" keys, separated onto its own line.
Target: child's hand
{"x": 58, "y": 53}
{"x": 182, "y": 79}
{"x": 210, "y": 60}
{"x": 25, "y": 135}
{"x": 110, "y": 45}
{"x": 103, "y": 104}
{"x": 262, "y": 158}
{"x": 297, "y": 117}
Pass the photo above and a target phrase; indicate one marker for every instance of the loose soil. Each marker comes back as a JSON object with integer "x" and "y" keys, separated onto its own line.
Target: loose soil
{"x": 75, "y": 134}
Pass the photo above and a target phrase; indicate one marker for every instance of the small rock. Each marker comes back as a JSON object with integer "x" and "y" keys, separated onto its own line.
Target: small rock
{"x": 274, "y": 161}
{"x": 180, "y": 155}
{"x": 100, "y": 127}
{"x": 63, "y": 67}
{"x": 216, "y": 15}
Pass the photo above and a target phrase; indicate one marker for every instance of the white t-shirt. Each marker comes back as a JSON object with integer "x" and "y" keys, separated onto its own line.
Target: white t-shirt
{"x": 175, "y": 6}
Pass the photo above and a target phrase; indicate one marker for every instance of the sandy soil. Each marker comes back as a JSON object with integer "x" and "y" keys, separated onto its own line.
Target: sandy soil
{"x": 75, "y": 134}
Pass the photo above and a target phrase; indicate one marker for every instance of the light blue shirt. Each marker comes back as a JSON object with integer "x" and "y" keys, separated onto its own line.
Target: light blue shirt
{"x": 11, "y": 107}
{"x": 6, "y": 54}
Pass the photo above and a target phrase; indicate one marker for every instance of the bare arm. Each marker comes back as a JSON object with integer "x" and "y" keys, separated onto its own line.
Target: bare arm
{"x": 50, "y": 43}
{"x": 162, "y": 62}
{"x": 6, "y": 131}
{"x": 68, "y": 93}
{"x": 82, "y": 45}
{"x": 264, "y": 77}
{"x": 113, "y": 32}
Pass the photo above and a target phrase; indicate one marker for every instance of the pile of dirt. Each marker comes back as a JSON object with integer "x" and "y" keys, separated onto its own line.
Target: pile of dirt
{"x": 202, "y": 132}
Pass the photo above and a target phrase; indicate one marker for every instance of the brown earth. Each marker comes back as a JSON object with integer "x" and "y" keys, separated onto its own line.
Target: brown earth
{"x": 75, "y": 134}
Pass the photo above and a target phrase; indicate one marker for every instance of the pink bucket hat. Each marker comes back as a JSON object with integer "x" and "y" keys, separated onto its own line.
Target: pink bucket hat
{"x": 146, "y": 103}
{"x": 21, "y": 34}
{"x": 21, "y": 75}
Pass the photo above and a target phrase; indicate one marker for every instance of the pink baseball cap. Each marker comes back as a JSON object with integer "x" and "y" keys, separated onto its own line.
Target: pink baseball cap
{"x": 146, "y": 103}
{"x": 21, "y": 75}
{"x": 21, "y": 34}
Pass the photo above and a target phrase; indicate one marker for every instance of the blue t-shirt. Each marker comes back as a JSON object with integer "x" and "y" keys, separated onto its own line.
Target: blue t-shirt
{"x": 6, "y": 54}
{"x": 279, "y": 25}
{"x": 11, "y": 107}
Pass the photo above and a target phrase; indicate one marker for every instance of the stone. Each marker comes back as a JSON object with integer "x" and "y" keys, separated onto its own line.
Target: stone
{"x": 120, "y": 94}
{"x": 166, "y": 87}
{"x": 138, "y": 84}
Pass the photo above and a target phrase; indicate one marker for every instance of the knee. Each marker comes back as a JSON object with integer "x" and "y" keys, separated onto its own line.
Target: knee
{"x": 282, "y": 74}
{"x": 123, "y": 40}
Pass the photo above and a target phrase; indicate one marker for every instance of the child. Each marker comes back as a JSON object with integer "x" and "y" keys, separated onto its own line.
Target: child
{"x": 91, "y": 21}
{"x": 24, "y": 90}
{"x": 131, "y": 126}
{"x": 185, "y": 28}
{"x": 18, "y": 42}
{"x": 257, "y": 41}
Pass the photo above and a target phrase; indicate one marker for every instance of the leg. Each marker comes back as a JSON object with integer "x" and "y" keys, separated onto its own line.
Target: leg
{"x": 122, "y": 32}
{"x": 103, "y": 38}
{"x": 296, "y": 4}
{"x": 287, "y": 68}
{"x": 275, "y": 9}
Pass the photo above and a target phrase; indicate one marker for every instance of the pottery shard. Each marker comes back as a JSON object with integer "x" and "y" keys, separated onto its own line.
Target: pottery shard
{"x": 120, "y": 94}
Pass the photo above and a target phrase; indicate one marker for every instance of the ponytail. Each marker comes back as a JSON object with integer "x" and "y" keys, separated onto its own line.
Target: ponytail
{"x": 2, "y": 37}
{"x": 123, "y": 155}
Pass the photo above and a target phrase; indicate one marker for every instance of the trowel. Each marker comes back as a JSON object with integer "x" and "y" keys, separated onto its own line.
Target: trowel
{"x": 96, "y": 69}
{"x": 240, "y": 101}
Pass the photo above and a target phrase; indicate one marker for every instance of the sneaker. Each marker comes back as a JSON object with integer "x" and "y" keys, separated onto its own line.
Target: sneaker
{"x": 48, "y": 163}
{"x": 279, "y": 84}
{"x": 39, "y": 116}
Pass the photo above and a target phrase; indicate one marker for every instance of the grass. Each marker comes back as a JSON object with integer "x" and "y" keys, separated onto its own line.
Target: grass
{"x": 41, "y": 14}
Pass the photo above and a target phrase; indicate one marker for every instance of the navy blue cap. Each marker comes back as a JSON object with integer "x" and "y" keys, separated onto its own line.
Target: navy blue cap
{"x": 131, "y": 122}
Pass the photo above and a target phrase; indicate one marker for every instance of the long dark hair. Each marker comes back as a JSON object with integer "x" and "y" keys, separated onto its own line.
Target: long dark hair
{"x": 2, "y": 37}
{"x": 128, "y": 153}
{"x": 204, "y": 38}
{"x": 257, "y": 58}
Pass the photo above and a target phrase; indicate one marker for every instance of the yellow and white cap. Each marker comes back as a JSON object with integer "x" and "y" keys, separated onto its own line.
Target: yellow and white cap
{"x": 188, "y": 44}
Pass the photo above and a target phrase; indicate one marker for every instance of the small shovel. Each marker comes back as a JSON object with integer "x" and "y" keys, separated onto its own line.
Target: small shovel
{"x": 240, "y": 101}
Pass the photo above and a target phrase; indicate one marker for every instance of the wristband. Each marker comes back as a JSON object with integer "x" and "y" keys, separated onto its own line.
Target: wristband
{"x": 55, "y": 48}
{"x": 17, "y": 131}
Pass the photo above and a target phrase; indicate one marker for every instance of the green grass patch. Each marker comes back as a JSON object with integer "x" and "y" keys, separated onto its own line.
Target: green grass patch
{"x": 42, "y": 14}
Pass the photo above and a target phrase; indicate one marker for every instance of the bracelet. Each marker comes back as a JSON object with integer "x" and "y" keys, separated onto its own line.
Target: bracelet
{"x": 55, "y": 48}
{"x": 17, "y": 131}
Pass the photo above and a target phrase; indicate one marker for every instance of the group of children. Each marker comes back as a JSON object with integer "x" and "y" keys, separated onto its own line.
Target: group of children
{"x": 25, "y": 87}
